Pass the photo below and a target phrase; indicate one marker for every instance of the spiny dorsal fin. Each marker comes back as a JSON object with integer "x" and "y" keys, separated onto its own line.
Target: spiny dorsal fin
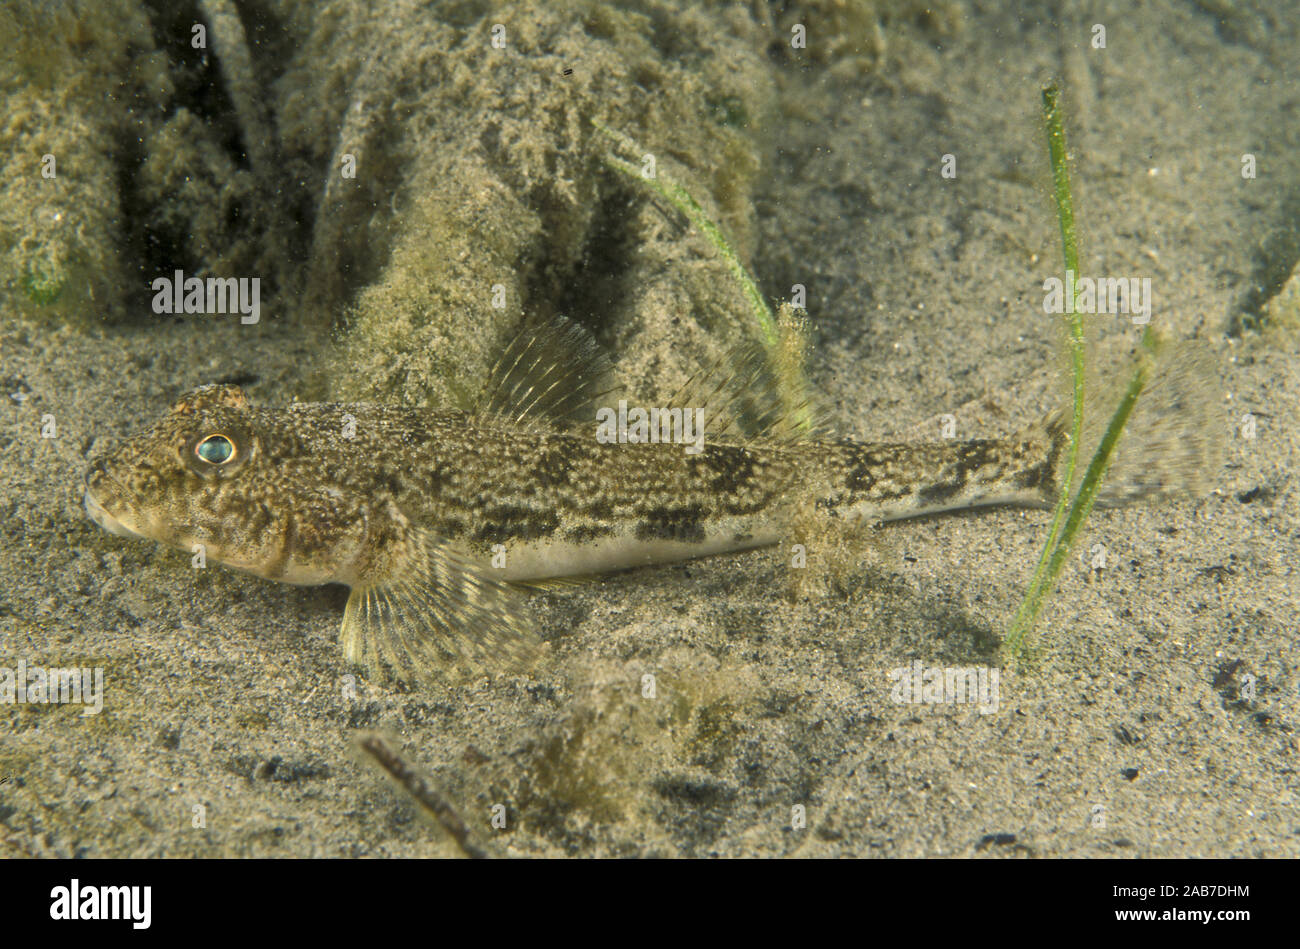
{"x": 758, "y": 393}
{"x": 552, "y": 370}
{"x": 436, "y": 613}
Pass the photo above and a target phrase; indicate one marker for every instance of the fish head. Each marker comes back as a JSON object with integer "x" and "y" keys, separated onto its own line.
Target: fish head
{"x": 178, "y": 481}
{"x": 203, "y": 475}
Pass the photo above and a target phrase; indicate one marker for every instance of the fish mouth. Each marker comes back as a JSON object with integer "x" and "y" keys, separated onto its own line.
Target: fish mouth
{"x": 103, "y": 490}
{"x": 110, "y": 522}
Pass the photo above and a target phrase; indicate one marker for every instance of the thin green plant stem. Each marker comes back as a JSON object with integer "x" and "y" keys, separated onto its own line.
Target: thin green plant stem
{"x": 1069, "y": 518}
{"x": 681, "y": 199}
{"x": 1059, "y": 156}
{"x": 779, "y": 334}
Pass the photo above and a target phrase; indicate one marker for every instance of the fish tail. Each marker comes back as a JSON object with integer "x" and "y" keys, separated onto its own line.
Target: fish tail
{"x": 1173, "y": 442}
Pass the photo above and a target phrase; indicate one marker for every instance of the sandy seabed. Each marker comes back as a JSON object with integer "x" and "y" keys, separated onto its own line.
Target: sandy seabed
{"x": 229, "y": 713}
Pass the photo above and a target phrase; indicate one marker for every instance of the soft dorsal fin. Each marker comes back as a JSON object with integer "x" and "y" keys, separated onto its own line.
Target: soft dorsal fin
{"x": 552, "y": 370}
{"x": 758, "y": 393}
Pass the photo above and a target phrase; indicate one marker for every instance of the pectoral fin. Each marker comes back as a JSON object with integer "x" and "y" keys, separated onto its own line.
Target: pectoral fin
{"x": 434, "y": 612}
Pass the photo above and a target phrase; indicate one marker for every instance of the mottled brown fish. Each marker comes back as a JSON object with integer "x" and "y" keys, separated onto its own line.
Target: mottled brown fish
{"x": 435, "y": 518}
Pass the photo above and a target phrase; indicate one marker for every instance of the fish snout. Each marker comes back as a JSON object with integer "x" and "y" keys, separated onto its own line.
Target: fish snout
{"x": 95, "y": 475}
{"x": 98, "y": 487}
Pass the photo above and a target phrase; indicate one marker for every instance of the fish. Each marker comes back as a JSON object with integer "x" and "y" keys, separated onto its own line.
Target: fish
{"x": 441, "y": 520}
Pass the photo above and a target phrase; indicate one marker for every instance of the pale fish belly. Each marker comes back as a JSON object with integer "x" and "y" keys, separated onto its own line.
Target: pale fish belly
{"x": 553, "y": 557}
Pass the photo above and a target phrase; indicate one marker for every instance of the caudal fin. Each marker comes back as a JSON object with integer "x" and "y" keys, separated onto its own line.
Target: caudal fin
{"x": 1173, "y": 443}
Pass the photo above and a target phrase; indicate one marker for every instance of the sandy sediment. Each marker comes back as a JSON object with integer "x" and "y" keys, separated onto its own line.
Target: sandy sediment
{"x": 1160, "y": 721}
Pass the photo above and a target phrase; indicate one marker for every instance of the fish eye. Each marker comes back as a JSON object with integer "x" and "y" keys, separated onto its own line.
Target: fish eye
{"x": 215, "y": 450}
